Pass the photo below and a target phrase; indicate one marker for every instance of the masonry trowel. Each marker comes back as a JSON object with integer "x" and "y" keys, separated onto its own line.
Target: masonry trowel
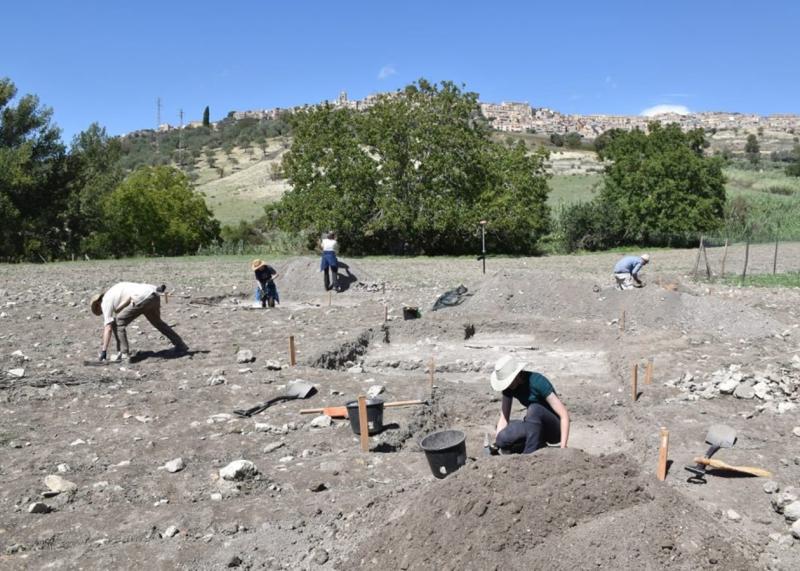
{"x": 719, "y": 436}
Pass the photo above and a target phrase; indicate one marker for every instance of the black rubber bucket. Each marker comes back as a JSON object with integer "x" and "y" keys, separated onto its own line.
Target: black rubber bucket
{"x": 445, "y": 450}
{"x": 374, "y": 416}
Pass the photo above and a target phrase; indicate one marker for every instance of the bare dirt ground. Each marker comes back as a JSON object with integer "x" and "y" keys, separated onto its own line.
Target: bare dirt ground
{"x": 318, "y": 501}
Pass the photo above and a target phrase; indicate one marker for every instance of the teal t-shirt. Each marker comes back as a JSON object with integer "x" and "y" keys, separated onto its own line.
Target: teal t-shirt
{"x": 535, "y": 390}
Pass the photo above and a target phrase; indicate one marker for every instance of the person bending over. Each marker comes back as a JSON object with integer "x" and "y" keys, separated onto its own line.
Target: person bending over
{"x": 546, "y": 419}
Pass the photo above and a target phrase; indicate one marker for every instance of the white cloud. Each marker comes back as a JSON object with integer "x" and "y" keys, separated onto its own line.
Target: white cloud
{"x": 386, "y": 71}
{"x": 663, "y": 109}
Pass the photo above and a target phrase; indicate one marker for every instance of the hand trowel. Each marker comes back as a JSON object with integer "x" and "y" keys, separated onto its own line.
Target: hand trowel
{"x": 719, "y": 436}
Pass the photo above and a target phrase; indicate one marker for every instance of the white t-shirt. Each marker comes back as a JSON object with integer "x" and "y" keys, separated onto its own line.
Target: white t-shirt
{"x": 118, "y": 293}
{"x": 329, "y": 245}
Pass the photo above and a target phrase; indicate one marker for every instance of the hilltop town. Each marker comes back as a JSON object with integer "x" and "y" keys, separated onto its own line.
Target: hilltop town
{"x": 521, "y": 117}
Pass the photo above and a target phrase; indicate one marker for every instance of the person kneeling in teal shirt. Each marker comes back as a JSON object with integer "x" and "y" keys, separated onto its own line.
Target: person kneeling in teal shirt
{"x": 546, "y": 419}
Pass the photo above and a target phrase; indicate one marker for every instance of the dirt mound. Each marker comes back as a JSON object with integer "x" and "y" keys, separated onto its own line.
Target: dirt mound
{"x": 555, "y": 296}
{"x": 560, "y": 509}
{"x": 302, "y": 274}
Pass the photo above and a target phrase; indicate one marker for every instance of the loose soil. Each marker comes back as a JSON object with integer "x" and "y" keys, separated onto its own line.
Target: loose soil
{"x": 319, "y": 502}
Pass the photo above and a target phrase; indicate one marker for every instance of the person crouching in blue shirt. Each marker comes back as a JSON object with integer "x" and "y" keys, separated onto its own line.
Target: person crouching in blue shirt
{"x": 626, "y": 271}
{"x": 546, "y": 420}
{"x": 266, "y": 292}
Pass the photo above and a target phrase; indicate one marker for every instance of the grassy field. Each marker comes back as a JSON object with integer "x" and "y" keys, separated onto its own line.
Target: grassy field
{"x": 790, "y": 279}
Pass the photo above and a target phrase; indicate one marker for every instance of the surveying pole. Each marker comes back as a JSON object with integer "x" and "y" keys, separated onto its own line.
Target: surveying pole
{"x": 483, "y": 244}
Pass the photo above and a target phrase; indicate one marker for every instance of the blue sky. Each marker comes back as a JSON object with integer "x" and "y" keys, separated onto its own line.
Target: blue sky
{"x": 108, "y": 61}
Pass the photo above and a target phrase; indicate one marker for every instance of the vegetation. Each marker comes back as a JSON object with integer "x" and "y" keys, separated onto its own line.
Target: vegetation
{"x": 56, "y": 204}
{"x": 658, "y": 189}
{"x": 415, "y": 173}
{"x": 206, "y": 117}
{"x": 790, "y": 279}
{"x": 752, "y": 149}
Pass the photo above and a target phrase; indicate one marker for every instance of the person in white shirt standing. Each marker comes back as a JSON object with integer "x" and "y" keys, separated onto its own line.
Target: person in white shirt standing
{"x": 329, "y": 263}
{"x": 121, "y": 304}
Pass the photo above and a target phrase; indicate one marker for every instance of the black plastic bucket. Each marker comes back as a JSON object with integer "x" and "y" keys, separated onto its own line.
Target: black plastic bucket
{"x": 445, "y": 450}
{"x": 374, "y": 416}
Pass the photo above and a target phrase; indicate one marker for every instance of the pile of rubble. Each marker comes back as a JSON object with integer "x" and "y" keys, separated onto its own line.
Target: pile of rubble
{"x": 777, "y": 386}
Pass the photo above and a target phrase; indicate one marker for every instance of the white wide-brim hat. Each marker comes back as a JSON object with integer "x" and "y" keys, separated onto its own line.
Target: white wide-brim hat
{"x": 505, "y": 371}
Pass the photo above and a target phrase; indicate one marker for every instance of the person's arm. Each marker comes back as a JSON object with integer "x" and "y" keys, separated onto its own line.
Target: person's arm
{"x": 125, "y": 303}
{"x": 107, "y": 330}
{"x": 635, "y": 272}
{"x": 505, "y": 413}
{"x": 559, "y": 408}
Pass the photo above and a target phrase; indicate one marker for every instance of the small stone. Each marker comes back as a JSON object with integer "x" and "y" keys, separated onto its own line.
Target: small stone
{"x": 733, "y": 515}
{"x": 321, "y": 487}
{"x": 238, "y": 470}
{"x": 771, "y": 486}
{"x": 39, "y": 508}
{"x": 58, "y": 484}
{"x": 63, "y": 468}
{"x": 761, "y": 390}
{"x": 796, "y": 529}
{"x": 245, "y": 356}
{"x": 728, "y": 385}
{"x": 321, "y": 421}
{"x": 273, "y": 365}
{"x": 744, "y": 391}
{"x": 171, "y": 531}
{"x": 320, "y": 556}
{"x": 175, "y": 465}
{"x": 374, "y": 391}
{"x": 783, "y": 499}
{"x": 235, "y": 561}
{"x": 77, "y": 442}
{"x": 17, "y": 373}
{"x": 356, "y": 369}
{"x": 215, "y": 380}
{"x": 792, "y": 511}
{"x": 796, "y": 431}
{"x": 272, "y": 446}
{"x": 216, "y": 497}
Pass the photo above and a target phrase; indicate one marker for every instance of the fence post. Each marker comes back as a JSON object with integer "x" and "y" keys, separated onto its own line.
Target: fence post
{"x": 697, "y": 261}
{"x": 724, "y": 255}
{"x": 746, "y": 258}
{"x": 775, "y": 259}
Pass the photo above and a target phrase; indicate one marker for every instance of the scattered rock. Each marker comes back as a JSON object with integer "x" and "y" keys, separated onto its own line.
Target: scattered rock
{"x": 16, "y": 373}
{"x": 733, "y": 515}
{"x": 374, "y": 391}
{"x": 39, "y": 508}
{"x": 744, "y": 391}
{"x": 792, "y": 511}
{"x": 171, "y": 531}
{"x": 63, "y": 468}
{"x": 727, "y": 386}
{"x": 321, "y": 421}
{"x": 273, "y": 365}
{"x": 272, "y": 446}
{"x": 796, "y": 529}
{"x": 238, "y": 470}
{"x": 245, "y": 356}
{"x": 796, "y": 431}
{"x": 77, "y": 442}
{"x": 58, "y": 484}
{"x": 235, "y": 561}
{"x": 783, "y": 499}
{"x": 771, "y": 486}
{"x": 321, "y": 487}
{"x": 320, "y": 556}
{"x": 356, "y": 369}
{"x": 175, "y": 465}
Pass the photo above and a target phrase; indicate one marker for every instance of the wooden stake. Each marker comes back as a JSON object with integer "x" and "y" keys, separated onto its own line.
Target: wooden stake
{"x": 648, "y": 373}
{"x": 330, "y": 298}
{"x": 775, "y": 259}
{"x": 724, "y": 256}
{"x": 746, "y": 258}
{"x": 708, "y": 268}
{"x": 663, "y": 452}
{"x": 292, "y": 357}
{"x": 622, "y": 321}
{"x": 635, "y": 382}
{"x": 697, "y": 260}
{"x": 363, "y": 425}
{"x": 385, "y": 313}
{"x": 432, "y": 370}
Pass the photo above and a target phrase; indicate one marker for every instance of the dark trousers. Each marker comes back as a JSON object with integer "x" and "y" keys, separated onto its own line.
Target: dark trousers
{"x": 540, "y": 427}
{"x": 331, "y": 277}
{"x": 150, "y": 307}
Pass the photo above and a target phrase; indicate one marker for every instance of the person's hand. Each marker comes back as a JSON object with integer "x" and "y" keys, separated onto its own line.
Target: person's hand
{"x": 103, "y": 356}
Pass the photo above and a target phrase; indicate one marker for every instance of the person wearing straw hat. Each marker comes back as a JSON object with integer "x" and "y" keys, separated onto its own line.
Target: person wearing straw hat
{"x": 626, "y": 271}
{"x": 546, "y": 419}
{"x": 266, "y": 291}
{"x": 120, "y": 305}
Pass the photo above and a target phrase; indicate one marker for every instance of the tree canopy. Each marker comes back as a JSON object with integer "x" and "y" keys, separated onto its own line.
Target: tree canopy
{"x": 416, "y": 172}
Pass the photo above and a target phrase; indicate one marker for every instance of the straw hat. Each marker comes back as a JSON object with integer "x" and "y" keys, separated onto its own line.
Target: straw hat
{"x": 95, "y": 302}
{"x": 255, "y": 264}
{"x": 645, "y": 257}
{"x": 505, "y": 371}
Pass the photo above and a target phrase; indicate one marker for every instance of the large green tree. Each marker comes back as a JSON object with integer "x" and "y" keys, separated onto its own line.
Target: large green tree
{"x": 417, "y": 171}
{"x": 156, "y": 210}
{"x": 752, "y": 149}
{"x": 660, "y": 185}
{"x": 33, "y": 192}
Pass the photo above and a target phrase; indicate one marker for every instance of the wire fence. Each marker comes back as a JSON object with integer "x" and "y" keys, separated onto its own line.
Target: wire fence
{"x": 727, "y": 259}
